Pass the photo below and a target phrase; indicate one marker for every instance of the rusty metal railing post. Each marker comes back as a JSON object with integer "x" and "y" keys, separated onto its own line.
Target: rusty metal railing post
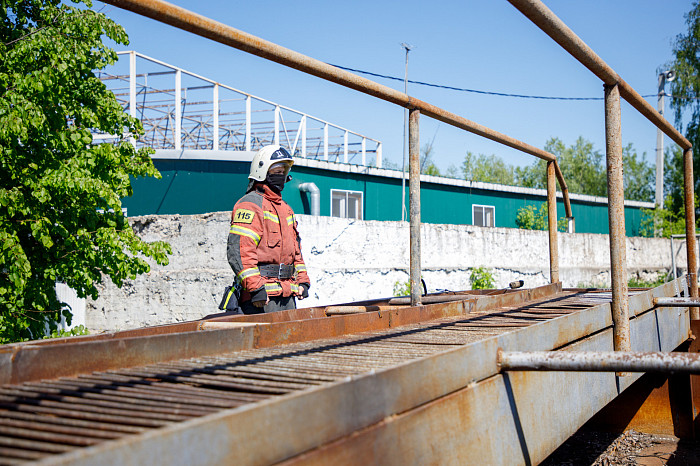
{"x": 690, "y": 240}
{"x": 616, "y": 216}
{"x": 414, "y": 203}
{"x": 552, "y": 217}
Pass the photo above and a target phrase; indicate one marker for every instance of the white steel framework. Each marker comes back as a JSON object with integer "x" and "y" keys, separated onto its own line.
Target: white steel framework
{"x": 182, "y": 110}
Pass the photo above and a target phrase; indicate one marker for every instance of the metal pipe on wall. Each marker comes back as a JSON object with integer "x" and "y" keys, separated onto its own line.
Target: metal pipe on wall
{"x": 599, "y": 361}
{"x": 197, "y": 24}
{"x": 314, "y": 195}
{"x": 552, "y": 223}
{"x": 414, "y": 204}
{"x": 691, "y": 242}
{"x": 616, "y": 216}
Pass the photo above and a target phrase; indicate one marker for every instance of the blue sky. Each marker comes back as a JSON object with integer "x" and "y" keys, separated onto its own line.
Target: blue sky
{"x": 483, "y": 45}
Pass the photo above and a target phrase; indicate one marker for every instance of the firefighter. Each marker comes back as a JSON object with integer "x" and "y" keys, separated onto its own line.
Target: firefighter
{"x": 263, "y": 243}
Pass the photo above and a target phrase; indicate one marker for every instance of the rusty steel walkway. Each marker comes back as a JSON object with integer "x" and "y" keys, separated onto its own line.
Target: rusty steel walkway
{"x": 393, "y": 385}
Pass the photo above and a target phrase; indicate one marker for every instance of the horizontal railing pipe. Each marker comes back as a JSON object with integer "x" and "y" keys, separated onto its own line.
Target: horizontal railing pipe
{"x": 197, "y": 24}
{"x": 676, "y": 302}
{"x": 599, "y": 361}
{"x": 555, "y": 28}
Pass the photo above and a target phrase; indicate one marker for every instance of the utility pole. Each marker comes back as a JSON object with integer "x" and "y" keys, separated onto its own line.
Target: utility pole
{"x": 663, "y": 78}
{"x": 405, "y": 119}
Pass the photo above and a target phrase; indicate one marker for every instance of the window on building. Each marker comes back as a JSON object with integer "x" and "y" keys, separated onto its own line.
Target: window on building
{"x": 346, "y": 204}
{"x": 484, "y": 215}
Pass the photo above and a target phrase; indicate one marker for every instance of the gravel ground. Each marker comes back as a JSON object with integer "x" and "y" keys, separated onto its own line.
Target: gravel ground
{"x": 629, "y": 448}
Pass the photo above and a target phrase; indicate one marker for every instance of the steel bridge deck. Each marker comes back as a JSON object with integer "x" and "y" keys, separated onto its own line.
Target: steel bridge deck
{"x": 56, "y": 418}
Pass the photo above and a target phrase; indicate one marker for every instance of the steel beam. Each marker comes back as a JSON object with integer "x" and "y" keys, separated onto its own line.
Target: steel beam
{"x": 690, "y": 239}
{"x": 47, "y": 359}
{"x": 457, "y": 397}
{"x": 414, "y": 204}
{"x": 178, "y": 110}
{"x": 552, "y": 223}
{"x": 616, "y": 216}
{"x": 676, "y": 302}
{"x": 598, "y": 361}
{"x": 215, "y": 115}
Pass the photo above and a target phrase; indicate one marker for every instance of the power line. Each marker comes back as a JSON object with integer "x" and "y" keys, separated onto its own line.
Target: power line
{"x": 476, "y": 91}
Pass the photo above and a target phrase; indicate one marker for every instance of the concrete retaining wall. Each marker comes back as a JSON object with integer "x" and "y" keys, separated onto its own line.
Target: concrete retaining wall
{"x": 351, "y": 260}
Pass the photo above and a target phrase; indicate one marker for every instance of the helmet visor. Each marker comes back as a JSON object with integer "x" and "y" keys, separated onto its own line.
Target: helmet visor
{"x": 279, "y": 166}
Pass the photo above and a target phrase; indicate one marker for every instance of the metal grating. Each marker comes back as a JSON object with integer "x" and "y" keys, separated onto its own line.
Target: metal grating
{"x": 40, "y": 419}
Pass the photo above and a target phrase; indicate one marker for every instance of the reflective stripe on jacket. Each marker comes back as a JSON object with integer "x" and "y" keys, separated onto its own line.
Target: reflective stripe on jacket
{"x": 263, "y": 231}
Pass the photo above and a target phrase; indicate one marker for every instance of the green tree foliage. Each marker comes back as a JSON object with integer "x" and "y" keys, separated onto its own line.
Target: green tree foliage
{"x": 686, "y": 86}
{"x": 685, "y": 104}
{"x": 427, "y": 166}
{"x": 60, "y": 208}
{"x": 530, "y": 218}
{"x": 665, "y": 221}
{"x": 482, "y": 278}
{"x": 487, "y": 168}
{"x": 639, "y": 176}
{"x": 673, "y": 179}
{"x": 402, "y": 288}
{"x": 583, "y": 168}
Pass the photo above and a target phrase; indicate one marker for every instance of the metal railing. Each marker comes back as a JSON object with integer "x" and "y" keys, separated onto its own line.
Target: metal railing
{"x": 214, "y": 30}
{"x": 182, "y": 110}
{"x": 614, "y": 89}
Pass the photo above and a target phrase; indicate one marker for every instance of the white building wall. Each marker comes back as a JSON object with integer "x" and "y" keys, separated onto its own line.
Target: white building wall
{"x": 350, "y": 260}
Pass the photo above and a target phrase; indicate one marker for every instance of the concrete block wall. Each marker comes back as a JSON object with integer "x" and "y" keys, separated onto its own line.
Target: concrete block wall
{"x": 350, "y": 260}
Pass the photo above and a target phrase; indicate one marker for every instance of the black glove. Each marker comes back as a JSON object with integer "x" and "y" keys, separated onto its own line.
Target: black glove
{"x": 258, "y": 295}
{"x": 304, "y": 290}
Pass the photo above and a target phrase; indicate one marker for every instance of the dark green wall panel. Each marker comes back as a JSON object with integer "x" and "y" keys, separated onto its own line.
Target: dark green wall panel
{"x": 199, "y": 186}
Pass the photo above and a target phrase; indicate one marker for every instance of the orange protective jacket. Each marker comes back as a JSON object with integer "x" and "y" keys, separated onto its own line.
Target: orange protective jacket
{"x": 264, "y": 231}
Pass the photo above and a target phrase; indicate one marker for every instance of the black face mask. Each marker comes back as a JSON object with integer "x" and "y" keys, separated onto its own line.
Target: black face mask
{"x": 276, "y": 181}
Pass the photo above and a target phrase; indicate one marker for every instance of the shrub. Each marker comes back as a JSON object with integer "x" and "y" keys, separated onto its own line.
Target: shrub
{"x": 482, "y": 278}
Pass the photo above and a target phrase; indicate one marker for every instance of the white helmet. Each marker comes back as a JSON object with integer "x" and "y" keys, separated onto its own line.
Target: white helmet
{"x": 265, "y": 158}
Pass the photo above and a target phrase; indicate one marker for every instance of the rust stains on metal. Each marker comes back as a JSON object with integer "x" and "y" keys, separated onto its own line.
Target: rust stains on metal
{"x": 342, "y": 310}
{"x": 54, "y": 416}
{"x": 552, "y": 223}
{"x": 444, "y": 346}
{"x": 414, "y": 205}
{"x": 599, "y": 361}
{"x": 675, "y": 302}
{"x": 691, "y": 241}
{"x": 616, "y": 217}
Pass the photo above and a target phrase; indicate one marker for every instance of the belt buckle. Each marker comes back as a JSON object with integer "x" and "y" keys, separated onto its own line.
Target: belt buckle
{"x": 279, "y": 272}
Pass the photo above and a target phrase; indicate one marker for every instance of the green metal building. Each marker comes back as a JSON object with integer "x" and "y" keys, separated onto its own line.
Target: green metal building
{"x": 195, "y": 182}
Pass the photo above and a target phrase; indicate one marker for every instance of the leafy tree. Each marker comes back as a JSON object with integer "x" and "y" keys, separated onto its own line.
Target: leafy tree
{"x": 427, "y": 166}
{"x": 584, "y": 170}
{"x": 685, "y": 90}
{"x": 639, "y": 176}
{"x": 60, "y": 208}
{"x": 665, "y": 221}
{"x": 673, "y": 179}
{"x": 530, "y": 218}
{"x": 487, "y": 168}
{"x": 582, "y": 166}
{"x": 686, "y": 87}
